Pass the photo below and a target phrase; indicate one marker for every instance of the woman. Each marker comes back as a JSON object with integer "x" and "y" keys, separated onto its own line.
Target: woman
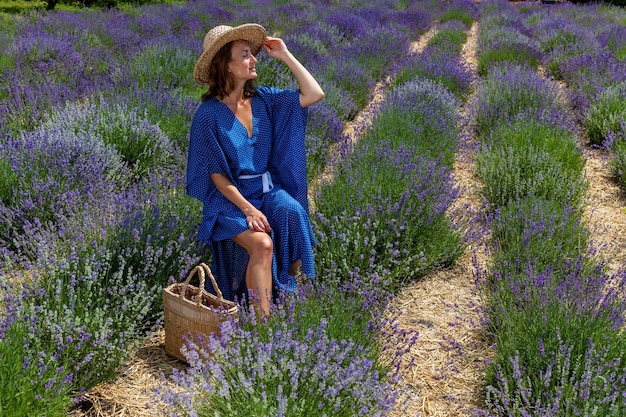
{"x": 247, "y": 164}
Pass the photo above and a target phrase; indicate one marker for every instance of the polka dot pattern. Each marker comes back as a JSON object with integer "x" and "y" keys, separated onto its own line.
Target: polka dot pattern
{"x": 219, "y": 143}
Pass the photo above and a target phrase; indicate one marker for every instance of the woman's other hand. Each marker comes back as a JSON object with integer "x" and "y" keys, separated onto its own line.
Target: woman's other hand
{"x": 257, "y": 221}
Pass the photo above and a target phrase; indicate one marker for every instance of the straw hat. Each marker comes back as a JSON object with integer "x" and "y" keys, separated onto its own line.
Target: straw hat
{"x": 219, "y": 36}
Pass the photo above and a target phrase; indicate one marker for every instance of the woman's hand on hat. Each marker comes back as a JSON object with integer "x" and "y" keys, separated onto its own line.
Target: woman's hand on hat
{"x": 275, "y": 47}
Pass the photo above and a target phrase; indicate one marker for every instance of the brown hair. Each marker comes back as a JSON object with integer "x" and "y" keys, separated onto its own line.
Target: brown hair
{"x": 220, "y": 80}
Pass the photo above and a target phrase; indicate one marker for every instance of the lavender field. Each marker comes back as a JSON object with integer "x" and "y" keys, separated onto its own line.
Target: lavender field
{"x": 467, "y": 194}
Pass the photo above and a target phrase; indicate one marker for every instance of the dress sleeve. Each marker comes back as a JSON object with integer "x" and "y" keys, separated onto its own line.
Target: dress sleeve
{"x": 288, "y": 158}
{"x": 205, "y": 155}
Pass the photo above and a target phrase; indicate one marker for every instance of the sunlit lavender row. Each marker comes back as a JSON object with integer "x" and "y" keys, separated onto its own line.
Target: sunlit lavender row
{"x": 95, "y": 111}
{"x": 555, "y": 314}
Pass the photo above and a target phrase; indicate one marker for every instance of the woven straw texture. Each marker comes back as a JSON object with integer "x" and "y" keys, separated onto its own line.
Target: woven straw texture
{"x": 191, "y": 310}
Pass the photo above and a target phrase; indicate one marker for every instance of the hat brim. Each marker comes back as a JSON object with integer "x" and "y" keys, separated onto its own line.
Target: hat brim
{"x": 252, "y": 33}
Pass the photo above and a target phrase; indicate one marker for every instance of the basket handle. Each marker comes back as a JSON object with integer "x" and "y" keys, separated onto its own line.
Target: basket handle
{"x": 200, "y": 271}
{"x": 212, "y": 278}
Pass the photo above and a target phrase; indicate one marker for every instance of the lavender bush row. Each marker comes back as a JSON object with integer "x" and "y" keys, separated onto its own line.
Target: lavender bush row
{"x": 553, "y": 367}
{"x": 512, "y": 92}
{"x": 381, "y": 212}
{"x": 589, "y": 65}
{"x": 528, "y": 159}
{"x": 606, "y": 117}
{"x": 460, "y": 11}
{"x": 293, "y": 365}
{"x": 450, "y": 37}
{"x": 595, "y": 76}
{"x": 564, "y": 304}
{"x": 536, "y": 233}
{"x": 34, "y": 380}
{"x": 500, "y": 41}
{"x": 420, "y": 113}
{"x": 438, "y": 65}
{"x": 618, "y": 161}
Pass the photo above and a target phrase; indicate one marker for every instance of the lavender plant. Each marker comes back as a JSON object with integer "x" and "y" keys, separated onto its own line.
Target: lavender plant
{"x": 141, "y": 143}
{"x": 89, "y": 312}
{"x": 171, "y": 110}
{"x": 559, "y": 40}
{"x": 501, "y": 44}
{"x": 612, "y": 13}
{"x": 618, "y": 161}
{"x": 530, "y": 160}
{"x": 166, "y": 64}
{"x": 381, "y": 215}
{"x": 515, "y": 92}
{"x": 613, "y": 37}
{"x": 288, "y": 366}
{"x": 460, "y": 13}
{"x": 588, "y": 75}
{"x": 62, "y": 188}
{"x": 607, "y": 116}
{"x": 438, "y": 65}
{"x": 420, "y": 113}
{"x": 573, "y": 297}
{"x": 156, "y": 240}
{"x": 450, "y": 37}
{"x": 33, "y": 382}
{"x": 590, "y": 383}
{"x": 537, "y": 233}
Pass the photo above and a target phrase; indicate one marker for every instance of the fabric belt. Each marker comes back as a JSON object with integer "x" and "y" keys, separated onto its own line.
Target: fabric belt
{"x": 265, "y": 177}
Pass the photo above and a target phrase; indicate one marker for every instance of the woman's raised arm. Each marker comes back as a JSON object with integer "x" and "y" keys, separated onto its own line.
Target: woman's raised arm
{"x": 310, "y": 90}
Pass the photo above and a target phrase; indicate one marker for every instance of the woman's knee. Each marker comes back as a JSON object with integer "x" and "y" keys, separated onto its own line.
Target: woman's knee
{"x": 262, "y": 246}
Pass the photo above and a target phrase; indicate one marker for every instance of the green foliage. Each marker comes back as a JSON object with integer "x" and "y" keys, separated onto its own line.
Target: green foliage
{"x": 459, "y": 14}
{"x": 9, "y": 181}
{"x": 30, "y": 377}
{"x": 538, "y": 232}
{"x": 613, "y": 13}
{"x": 360, "y": 91}
{"x": 21, "y": 6}
{"x": 531, "y": 160}
{"x": 142, "y": 145}
{"x": 607, "y": 116}
{"x": 92, "y": 313}
{"x": 548, "y": 331}
{"x": 422, "y": 114}
{"x": 449, "y": 39}
{"x": 506, "y": 53}
{"x": 618, "y": 162}
{"x": 499, "y": 44}
{"x": 513, "y": 92}
{"x": 160, "y": 64}
{"x": 380, "y": 218}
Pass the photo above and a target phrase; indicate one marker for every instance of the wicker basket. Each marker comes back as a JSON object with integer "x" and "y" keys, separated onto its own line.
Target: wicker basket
{"x": 190, "y": 310}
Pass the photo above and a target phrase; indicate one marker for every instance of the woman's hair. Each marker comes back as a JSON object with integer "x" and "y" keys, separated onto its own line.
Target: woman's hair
{"x": 220, "y": 80}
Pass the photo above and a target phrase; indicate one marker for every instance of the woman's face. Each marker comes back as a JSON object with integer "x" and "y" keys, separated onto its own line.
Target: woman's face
{"x": 242, "y": 65}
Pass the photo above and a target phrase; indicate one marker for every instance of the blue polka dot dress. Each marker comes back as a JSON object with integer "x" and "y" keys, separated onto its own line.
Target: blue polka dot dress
{"x": 268, "y": 168}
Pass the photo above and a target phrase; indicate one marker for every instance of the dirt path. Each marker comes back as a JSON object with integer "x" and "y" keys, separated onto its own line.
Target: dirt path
{"x": 605, "y": 208}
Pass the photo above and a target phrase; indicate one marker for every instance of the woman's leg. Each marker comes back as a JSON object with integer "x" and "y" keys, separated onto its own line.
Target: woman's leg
{"x": 293, "y": 238}
{"x": 260, "y": 248}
